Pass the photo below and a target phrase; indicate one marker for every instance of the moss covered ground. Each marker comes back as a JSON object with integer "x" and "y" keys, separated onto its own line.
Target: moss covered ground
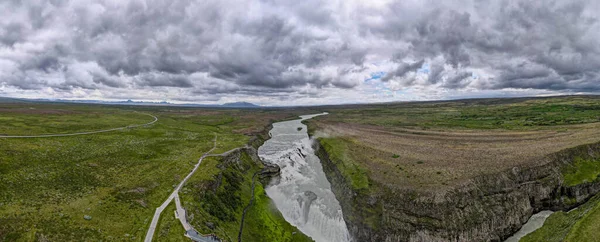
{"x": 435, "y": 145}
{"x": 505, "y": 113}
{"x": 578, "y": 225}
{"x": 340, "y": 155}
{"x": 215, "y": 201}
{"x": 48, "y": 185}
{"x": 581, "y": 171}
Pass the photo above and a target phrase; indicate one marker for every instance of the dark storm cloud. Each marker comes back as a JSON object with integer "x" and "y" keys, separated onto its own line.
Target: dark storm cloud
{"x": 435, "y": 73}
{"x": 402, "y": 70}
{"x": 26, "y": 83}
{"x": 559, "y": 37}
{"x": 163, "y": 80}
{"x": 278, "y": 47}
{"x": 107, "y": 80}
{"x": 458, "y": 80}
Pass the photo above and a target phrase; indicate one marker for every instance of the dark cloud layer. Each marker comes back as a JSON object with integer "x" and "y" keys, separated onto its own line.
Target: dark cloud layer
{"x": 287, "y": 49}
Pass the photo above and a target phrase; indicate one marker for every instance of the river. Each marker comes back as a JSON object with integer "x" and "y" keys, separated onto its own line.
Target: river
{"x": 303, "y": 193}
{"x": 535, "y": 222}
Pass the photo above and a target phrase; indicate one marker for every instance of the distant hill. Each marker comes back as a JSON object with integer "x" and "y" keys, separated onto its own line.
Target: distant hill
{"x": 130, "y": 102}
{"x": 240, "y": 105}
{"x": 10, "y": 100}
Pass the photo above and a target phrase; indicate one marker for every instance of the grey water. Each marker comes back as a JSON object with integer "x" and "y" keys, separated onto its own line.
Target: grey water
{"x": 303, "y": 194}
{"x": 535, "y": 222}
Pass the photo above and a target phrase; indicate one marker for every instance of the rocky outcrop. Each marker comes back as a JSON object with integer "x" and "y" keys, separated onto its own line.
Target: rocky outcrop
{"x": 485, "y": 208}
{"x": 269, "y": 174}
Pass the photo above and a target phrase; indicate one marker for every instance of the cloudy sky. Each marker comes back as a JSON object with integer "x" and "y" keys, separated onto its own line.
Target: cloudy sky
{"x": 286, "y": 52}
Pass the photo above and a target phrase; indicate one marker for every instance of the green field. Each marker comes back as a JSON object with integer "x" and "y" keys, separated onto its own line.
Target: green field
{"x": 509, "y": 114}
{"x": 433, "y": 145}
{"x": 579, "y": 225}
{"x": 48, "y": 185}
{"x": 581, "y": 171}
{"x": 118, "y": 178}
{"x": 338, "y": 152}
{"x": 401, "y": 149}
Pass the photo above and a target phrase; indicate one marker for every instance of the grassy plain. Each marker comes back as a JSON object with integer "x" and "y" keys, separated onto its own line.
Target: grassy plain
{"x": 48, "y": 185}
{"x": 433, "y": 145}
{"x": 505, "y": 113}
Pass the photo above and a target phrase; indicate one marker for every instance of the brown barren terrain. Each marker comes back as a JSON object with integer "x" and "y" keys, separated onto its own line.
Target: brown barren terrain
{"x": 434, "y": 145}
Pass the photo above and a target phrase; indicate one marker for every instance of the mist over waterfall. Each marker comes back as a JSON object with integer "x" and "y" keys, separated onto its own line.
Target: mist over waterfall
{"x": 303, "y": 193}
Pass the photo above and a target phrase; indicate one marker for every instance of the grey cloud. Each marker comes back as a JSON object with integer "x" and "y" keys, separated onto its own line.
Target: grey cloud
{"x": 557, "y": 36}
{"x": 278, "y": 47}
{"x": 435, "y": 73}
{"x": 458, "y": 80}
{"x": 163, "y": 80}
{"x": 11, "y": 33}
{"x": 107, "y": 80}
{"x": 402, "y": 70}
{"x": 25, "y": 83}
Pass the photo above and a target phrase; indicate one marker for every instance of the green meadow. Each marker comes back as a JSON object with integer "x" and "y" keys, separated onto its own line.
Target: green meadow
{"x": 115, "y": 179}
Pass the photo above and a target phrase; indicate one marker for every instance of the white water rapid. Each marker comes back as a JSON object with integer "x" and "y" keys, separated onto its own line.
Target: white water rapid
{"x": 303, "y": 193}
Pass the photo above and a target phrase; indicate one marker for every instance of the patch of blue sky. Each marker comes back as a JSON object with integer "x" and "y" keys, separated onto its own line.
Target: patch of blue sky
{"x": 376, "y": 76}
{"x": 424, "y": 68}
{"x": 379, "y": 88}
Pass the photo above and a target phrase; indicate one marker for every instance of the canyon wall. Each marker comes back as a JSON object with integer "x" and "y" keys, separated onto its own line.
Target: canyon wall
{"x": 485, "y": 208}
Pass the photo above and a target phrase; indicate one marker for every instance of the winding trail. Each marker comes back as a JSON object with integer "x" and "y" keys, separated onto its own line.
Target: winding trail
{"x": 83, "y": 133}
{"x": 180, "y": 211}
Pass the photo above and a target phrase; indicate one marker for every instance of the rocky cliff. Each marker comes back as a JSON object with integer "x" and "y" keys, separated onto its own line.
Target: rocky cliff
{"x": 486, "y": 208}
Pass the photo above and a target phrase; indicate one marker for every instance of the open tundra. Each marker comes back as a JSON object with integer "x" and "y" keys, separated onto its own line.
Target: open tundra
{"x": 469, "y": 170}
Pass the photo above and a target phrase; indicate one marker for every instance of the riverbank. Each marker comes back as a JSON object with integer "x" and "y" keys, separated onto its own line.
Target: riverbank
{"x": 303, "y": 193}
{"x": 464, "y": 170}
{"x": 490, "y": 207}
{"x": 576, "y": 225}
{"x": 217, "y": 199}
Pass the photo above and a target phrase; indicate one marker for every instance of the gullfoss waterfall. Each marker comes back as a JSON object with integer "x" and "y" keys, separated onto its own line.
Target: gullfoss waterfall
{"x": 302, "y": 193}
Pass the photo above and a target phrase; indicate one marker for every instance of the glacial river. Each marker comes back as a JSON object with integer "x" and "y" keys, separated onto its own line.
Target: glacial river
{"x": 535, "y": 222}
{"x": 303, "y": 193}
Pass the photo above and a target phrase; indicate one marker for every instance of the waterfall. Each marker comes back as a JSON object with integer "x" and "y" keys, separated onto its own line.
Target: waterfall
{"x": 303, "y": 193}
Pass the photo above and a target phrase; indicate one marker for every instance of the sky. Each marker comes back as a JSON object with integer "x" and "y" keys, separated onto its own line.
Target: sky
{"x": 291, "y": 52}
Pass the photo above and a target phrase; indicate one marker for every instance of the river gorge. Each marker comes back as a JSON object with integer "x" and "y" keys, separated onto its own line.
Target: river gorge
{"x": 302, "y": 192}
{"x": 490, "y": 207}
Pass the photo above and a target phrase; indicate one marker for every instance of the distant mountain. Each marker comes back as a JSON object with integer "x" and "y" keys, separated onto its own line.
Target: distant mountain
{"x": 240, "y": 105}
{"x": 131, "y": 102}
{"x": 10, "y": 100}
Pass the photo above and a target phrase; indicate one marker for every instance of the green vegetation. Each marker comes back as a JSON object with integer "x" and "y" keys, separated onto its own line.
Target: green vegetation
{"x": 265, "y": 223}
{"x": 339, "y": 154}
{"x": 580, "y": 224}
{"x": 169, "y": 228}
{"x": 118, "y": 178}
{"x": 39, "y": 119}
{"x": 588, "y": 227}
{"x": 216, "y": 198}
{"x": 461, "y": 139}
{"x": 581, "y": 171}
{"x": 513, "y": 114}
{"x": 426, "y": 148}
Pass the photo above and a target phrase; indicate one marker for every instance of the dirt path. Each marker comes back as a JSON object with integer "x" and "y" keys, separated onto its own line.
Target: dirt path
{"x": 181, "y": 213}
{"x": 82, "y": 133}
